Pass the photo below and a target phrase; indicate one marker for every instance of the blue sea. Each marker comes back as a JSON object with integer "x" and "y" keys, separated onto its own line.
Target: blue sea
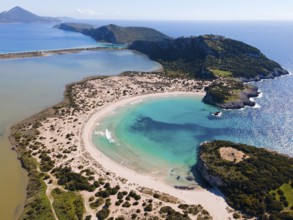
{"x": 156, "y": 130}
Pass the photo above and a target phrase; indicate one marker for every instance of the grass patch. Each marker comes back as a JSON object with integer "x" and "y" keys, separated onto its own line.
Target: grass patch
{"x": 67, "y": 205}
{"x": 221, "y": 73}
{"x": 37, "y": 204}
{"x": 284, "y": 191}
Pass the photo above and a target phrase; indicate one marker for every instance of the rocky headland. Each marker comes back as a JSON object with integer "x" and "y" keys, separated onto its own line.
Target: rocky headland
{"x": 229, "y": 62}
{"x": 254, "y": 180}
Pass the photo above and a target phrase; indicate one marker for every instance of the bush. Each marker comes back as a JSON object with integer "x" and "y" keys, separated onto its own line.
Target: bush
{"x": 103, "y": 214}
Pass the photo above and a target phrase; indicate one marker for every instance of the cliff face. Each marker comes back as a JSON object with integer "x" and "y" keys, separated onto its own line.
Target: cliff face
{"x": 115, "y": 34}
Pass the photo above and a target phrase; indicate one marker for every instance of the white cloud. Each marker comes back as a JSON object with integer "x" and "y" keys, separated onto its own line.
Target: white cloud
{"x": 88, "y": 12}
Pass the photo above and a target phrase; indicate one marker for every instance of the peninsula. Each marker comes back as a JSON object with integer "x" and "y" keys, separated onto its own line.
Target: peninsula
{"x": 229, "y": 62}
{"x": 254, "y": 180}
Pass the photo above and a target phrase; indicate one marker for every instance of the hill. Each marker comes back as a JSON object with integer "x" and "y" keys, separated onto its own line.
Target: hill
{"x": 253, "y": 180}
{"x": 210, "y": 57}
{"x": 75, "y": 27}
{"x": 20, "y": 15}
{"x": 228, "y": 62}
{"x": 115, "y": 34}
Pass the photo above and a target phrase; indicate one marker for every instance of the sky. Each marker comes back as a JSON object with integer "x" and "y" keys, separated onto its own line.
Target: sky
{"x": 159, "y": 9}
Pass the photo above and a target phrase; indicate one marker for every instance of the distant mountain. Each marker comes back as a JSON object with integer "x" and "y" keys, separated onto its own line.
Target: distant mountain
{"x": 115, "y": 34}
{"x": 20, "y": 15}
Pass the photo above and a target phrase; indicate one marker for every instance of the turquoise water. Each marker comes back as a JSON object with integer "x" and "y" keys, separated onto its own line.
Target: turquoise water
{"x": 160, "y": 137}
{"x": 157, "y": 136}
{"x": 270, "y": 125}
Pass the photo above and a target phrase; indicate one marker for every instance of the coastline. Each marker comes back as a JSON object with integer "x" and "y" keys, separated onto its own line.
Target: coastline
{"x": 49, "y": 129}
{"x": 214, "y": 204}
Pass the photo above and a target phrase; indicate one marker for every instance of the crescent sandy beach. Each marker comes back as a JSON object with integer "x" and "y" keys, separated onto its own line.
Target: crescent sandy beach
{"x": 65, "y": 136}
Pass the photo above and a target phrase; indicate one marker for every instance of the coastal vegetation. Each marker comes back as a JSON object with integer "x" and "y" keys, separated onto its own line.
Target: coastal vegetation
{"x": 253, "y": 180}
{"x": 209, "y": 57}
{"x": 67, "y": 205}
{"x": 214, "y": 58}
{"x": 37, "y": 204}
{"x": 115, "y": 34}
{"x": 229, "y": 93}
{"x": 62, "y": 182}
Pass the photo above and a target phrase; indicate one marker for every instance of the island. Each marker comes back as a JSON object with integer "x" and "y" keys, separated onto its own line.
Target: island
{"x": 254, "y": 180}
{"x": 20, "y": 15}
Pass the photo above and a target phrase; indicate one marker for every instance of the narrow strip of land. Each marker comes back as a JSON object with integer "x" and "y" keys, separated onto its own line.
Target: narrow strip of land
{"x": 42, "y": 53}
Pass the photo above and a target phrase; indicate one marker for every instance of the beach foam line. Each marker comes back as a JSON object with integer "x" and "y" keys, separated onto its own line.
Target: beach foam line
{"x": 212, "y": 202}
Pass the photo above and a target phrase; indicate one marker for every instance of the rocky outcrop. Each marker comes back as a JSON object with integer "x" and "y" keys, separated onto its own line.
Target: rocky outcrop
{"x": 252, "y": 183}
{"x": 230, "y": 94}
{"x": 213, "y": 180}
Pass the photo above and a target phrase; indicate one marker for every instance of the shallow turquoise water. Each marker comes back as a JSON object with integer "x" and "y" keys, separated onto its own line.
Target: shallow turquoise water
{"x": 161, "y": 136}
{"x": 158, "y": 136}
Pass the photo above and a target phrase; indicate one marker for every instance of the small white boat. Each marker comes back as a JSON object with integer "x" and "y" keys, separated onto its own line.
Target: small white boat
{"x": 217, "y": 114}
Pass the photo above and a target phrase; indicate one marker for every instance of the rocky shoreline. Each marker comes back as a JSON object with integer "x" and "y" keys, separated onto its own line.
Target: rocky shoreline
{"x": 235, "y": 98}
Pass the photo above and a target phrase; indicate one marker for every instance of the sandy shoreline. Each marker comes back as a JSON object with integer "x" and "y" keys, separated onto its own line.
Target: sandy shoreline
{"x": 43, "y": 53}
{"x": 63, "y": 133}
{"x": 214, "y": 204}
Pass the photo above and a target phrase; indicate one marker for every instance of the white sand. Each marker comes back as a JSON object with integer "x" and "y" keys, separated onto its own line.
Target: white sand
{"x": 215, "y": 205}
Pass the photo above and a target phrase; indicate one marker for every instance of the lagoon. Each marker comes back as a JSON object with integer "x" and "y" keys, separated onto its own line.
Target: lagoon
{"x": 29, "y": 85}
